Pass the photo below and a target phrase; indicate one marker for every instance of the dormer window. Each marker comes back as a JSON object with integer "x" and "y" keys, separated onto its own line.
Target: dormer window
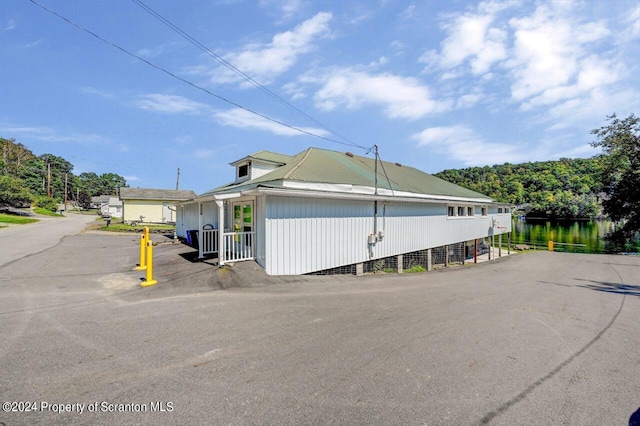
{"x": 243, "y": 171}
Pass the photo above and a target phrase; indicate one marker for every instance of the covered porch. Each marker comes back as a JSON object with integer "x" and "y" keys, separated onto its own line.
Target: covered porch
{"x": 224, "y": 227}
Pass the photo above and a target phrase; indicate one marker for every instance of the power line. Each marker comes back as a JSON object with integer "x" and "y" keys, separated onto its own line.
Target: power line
{"x": 159, "y": 68}
{"x": 234, "y": 69}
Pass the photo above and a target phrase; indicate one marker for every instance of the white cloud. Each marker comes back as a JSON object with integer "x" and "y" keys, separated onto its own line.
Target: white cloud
{"x": 471, "y": 40}
{"x": 131, "y": 178}
{"x": 633, "y": 22}
{"x": 264, "y": 62}
{"x": 238, "y": 117}
{"x": 463, "y": 144}
{"x": 10, "y": 25}
{"x": 93, "y": 91}
{"x": 287, "y": 8}
{"x": 549, "y": 52}
{"x": 48, "y": 134}
{"x": 401, "y": 97}
{"x": 171, "y": 104}
{"x": 154, "y": 51}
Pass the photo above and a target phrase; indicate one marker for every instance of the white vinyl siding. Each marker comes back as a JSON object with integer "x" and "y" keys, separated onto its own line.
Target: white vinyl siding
{"x": 260, "y": 169}
{"x": 306, "y": 234}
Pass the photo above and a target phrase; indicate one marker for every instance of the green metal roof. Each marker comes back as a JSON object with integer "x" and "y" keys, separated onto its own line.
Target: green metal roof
{"x": 316, "y": 165}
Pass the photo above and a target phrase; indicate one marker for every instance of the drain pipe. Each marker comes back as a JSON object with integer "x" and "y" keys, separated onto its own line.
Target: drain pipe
{"x": 375, "y": 193}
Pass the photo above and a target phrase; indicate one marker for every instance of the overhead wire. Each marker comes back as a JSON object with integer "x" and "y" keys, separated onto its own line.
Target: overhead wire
{"x": 235, "y": 69}
{"x": 207, "y": 91}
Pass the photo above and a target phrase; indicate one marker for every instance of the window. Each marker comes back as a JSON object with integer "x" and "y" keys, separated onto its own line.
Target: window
{"x": 243, "y": 170}
{"x": 484, "y": 211}
{"x": 499, "y": 209}
{"x": 461, "y": 212}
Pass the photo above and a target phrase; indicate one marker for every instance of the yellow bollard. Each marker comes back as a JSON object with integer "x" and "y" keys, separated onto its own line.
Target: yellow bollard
{"x": 143, "y": 245}
{"x": 149, "y": 281}
{"x": 550, "y": 245}
{"x": 146, "y": 233}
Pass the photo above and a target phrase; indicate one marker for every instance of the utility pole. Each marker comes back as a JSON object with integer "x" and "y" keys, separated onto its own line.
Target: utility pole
{"x": 48, "y": 180}
{"x": 66, "y": 180}
{"x": 178, "y": 180}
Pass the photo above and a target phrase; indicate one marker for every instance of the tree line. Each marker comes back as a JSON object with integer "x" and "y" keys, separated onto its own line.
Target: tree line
{"x": 567, "y": 188}
{"x": 47, "y": 179}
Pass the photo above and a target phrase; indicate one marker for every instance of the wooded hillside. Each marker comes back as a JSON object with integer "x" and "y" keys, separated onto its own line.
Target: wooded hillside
{"x": 568, "y": 188}
{"x": 27, "y": 178}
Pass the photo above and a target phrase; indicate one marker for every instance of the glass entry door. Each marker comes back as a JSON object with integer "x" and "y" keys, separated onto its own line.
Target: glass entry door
{"x": 243, "y": 216}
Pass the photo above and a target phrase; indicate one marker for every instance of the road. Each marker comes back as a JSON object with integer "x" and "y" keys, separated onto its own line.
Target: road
{"x": 18, "y": 241}
{"x": 542, "y": 338}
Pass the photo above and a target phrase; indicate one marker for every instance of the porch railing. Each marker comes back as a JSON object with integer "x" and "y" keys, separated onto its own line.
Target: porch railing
{"x": 239, "y": 246}
{"x": 209, "y": 241}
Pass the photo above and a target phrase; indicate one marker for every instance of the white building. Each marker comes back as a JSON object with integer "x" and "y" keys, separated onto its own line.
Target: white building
{"x": 322, "y": 209}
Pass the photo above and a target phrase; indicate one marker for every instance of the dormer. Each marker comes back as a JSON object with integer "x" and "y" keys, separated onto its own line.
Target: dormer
{"x": 258, "y": 164}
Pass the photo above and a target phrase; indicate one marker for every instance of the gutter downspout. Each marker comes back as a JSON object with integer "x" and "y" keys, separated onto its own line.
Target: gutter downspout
{"x": 375, "y": 193}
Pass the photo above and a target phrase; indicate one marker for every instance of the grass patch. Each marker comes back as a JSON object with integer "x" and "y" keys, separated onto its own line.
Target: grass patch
{"x": 19, "y": 220}
{"x": 101, "y": 225}
{"x": 45, "y": 212}
{"x": 417, "y": 268}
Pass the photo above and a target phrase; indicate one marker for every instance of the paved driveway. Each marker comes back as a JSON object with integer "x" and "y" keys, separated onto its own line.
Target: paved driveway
{"x": 543, "y": 338}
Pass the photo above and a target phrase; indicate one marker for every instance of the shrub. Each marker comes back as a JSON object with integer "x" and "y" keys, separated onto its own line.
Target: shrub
{"x": 47, "y": 203}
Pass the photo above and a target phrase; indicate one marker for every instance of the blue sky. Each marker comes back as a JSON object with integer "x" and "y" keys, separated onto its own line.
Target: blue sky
{"x": 435, "y": 84}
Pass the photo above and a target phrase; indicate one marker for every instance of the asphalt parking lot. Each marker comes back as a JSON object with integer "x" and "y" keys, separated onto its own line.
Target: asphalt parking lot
{"x": 541, "y": 338}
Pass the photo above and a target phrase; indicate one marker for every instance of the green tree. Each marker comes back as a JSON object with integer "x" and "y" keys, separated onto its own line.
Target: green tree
{"x": 84, "y": 199}
{"x": 13, "y": 193}
{"x": 620, "y": 143}
{"x": 13, "y": 156}
{"x": 34, "y": 176}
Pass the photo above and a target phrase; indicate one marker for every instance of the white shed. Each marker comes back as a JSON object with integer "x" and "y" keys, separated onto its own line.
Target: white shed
{"x": 324, "y": 209}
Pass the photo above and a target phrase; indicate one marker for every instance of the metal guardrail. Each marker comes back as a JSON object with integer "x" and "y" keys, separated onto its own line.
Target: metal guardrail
{"x": 555, "y": 246}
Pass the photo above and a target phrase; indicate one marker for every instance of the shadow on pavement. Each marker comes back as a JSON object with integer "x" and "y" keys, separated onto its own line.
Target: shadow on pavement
{"x": 616, "y": 288}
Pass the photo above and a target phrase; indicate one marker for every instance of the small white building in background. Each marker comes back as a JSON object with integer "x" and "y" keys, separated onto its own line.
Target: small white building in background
{"x": 323, "y": 209}
{"x": 107, "y": 205}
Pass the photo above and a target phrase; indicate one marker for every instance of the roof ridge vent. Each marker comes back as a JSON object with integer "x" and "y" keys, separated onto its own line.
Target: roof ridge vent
{"x": 349, "y": 154}
{"x": 398, "y": 164}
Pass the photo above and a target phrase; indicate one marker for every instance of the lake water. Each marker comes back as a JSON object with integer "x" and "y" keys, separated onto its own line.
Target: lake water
{"x": 582, "y": 236}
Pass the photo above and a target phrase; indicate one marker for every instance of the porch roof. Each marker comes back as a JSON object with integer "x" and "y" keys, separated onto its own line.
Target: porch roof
{"x": 334, "y": 170}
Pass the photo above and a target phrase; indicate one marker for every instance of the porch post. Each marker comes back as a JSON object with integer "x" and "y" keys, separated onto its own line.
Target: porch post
{"x": 221, "y": 247}
{"x": 200, "y": 236}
